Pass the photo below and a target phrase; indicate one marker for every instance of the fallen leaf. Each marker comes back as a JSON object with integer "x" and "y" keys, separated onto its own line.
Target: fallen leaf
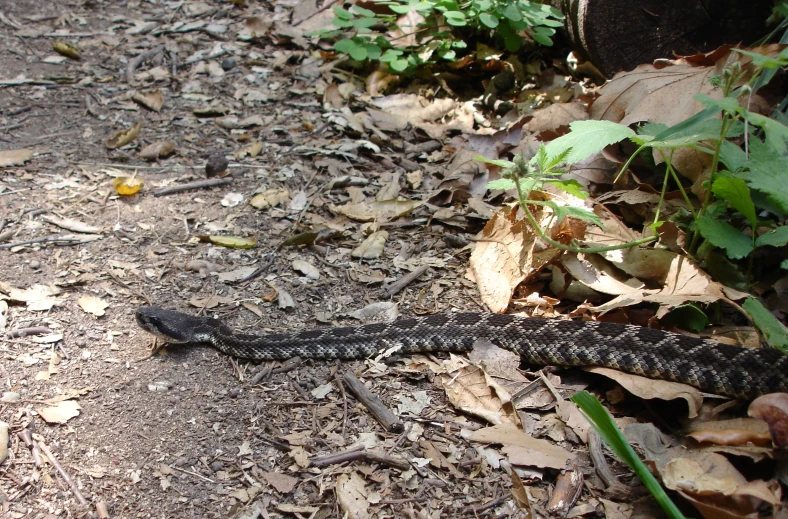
{"x": 15, "y": 157}
{"x": 233, "y": 242}
{"x": 123, "y": 137}
{"x": 152, "y": 100}
{"x": 93, "y": 305}
{"x": 352, "y": 496}
{"x": 60, "y": 413}
{"x": 156, "y": 150}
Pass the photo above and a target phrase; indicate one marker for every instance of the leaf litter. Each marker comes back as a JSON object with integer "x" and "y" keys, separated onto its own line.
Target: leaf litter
{"x": 373, "y": 210}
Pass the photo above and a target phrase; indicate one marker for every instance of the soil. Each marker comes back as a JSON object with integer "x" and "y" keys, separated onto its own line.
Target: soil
{"x": 185, "y": 433}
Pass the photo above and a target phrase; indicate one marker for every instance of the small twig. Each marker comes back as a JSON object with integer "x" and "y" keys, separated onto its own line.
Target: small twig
{"x": 382, "y": 414}
{"x": 211, "y": 182}
{"x": 136, "y": 62}
{"x": 63, "y": 473}
{"x": 407, "y": 279}
{"x": 370, "y": 456}
{"x": 24, "y": 332}
{"x": 195, "y": 474}
{"x": 615, "y": 489}
{"x": 344, "y": 402}
{"x": 50, "y": 239}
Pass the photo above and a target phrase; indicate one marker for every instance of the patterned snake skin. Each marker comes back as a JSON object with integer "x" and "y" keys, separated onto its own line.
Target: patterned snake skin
{"x": 715, "y": 368}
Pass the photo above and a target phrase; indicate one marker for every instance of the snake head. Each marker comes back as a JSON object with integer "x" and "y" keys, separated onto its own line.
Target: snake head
{"x": 170, "y": 326}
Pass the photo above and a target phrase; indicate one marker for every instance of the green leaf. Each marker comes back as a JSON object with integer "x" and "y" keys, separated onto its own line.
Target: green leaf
{"x": 344, "y": 46}
{"x": 701, "y": 131}
{"x": 573, "y": 187}
{"x": 603, "y": 423}
{"x": 390, "y": 55}
{"x": 341, "y": 22}
{"x": 587, "y": 138}
{"x": 512, "y": 13}
{"x": 688, "y": 317}
{"x": 362, "y": 11}
{"x": 773, "y": 330}
{"x": 580, "y": 214}
{"x": 732, "y": 156}
{"x": 503, "y": 184}
{"x": 766, "y": 173}
{"x": 734, "y": 191}
{"x": 511, "y": 40}
{"x": 399, "y": 65}
{"x": 776, "y": 132}
{"x": 776, "y": 238}
{"x": 357, "y": 52}
{"x": 784, "y": 264}
{"x": 364, "y": 23}
{"x": 373, "y": 51}
{"x": 543, "y": 35}
{"x": 726, "y": 104}
{"x": 343, "y": 13}
{"x": 488, "y": 20}
{"x": 495, "y": 162}
{"x": 400, "y": 9}
{"x": 725, "y": 236}
{"x": 759, "y": 60}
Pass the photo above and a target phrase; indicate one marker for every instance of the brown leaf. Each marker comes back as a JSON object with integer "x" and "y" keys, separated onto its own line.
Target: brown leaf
{"x": 67, "y": 50}
{"x": 773, "y": 409}
{"x": 157, "y": 149}
{"x": 123, "y": 137}
{"x": 151, "y": 100}
{"x": 15, "y": 157}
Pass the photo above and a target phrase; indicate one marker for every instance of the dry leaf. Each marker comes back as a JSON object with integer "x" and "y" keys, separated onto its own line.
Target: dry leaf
{"x": 127, "y": 186}
{"x": 252, "y": 149}
{"x": 60, "y": 413}
{"x": 377, "y": 211}
{"x": 123, "y": 137}
{"x": 15, "y": 157}
{"x": 152, "y": 100}
{"x": 521, "y": 448}
{"x": 352, "y": 496}
{"x": 372, "y": 247}
{"x": 270, "y": 198}
{"x": 66, "y": 49}
{"x": 156, "y": 150}
{"x": 773, "y": 409}
{"x": 233, "y": 242}
{"x": 93, "y": 305}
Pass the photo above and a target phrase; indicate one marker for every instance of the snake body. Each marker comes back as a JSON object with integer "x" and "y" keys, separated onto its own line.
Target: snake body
{"x": 716, "y": 368}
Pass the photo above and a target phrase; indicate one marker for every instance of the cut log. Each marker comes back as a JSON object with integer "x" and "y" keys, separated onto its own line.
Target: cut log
{"x": 618, "y": 35}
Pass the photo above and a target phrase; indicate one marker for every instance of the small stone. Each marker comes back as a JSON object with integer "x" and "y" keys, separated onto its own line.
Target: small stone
{"x": 216, "y": 165}
{"x": 216, "y": 466}
{"x": 181, "y": 462}
{"x": 228, "y": 63}
{"x": 10, "y": 396}
{"x": 235, "y": 392}
{"x": 35, "y": 264}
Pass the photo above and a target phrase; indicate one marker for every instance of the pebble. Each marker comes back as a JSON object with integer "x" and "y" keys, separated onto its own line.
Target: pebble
{"x": 235, "y": 392}
{"x": 10, "y": 396}
{"x": 228, "y": 63}
{"x": 216, "y": 466}
{"x": 180, "y": 462}
{"x": 216, "y": 165}
{"x": 35, "y": 264}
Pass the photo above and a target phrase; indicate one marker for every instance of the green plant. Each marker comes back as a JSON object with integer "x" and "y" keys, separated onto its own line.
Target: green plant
{"x": 603, "y": 423}
{"x": 442, "y": 31}
{"x": 746, "y": 197}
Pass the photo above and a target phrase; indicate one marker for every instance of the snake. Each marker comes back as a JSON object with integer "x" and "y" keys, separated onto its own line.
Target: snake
{"x": 722, "y": 369}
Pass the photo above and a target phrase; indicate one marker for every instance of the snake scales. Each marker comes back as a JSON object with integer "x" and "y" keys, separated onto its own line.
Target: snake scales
{"x": 715, "y": 368}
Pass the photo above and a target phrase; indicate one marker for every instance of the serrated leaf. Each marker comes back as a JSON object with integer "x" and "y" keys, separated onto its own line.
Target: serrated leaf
{"x": 766, "y": 173}
{"x": 725, "y": 236}
{"x": 580, "y": 214}
{"x": 495, "y": 162}
{"x": 573, "y": 187}
{"x": 587, "y": 138}
{"x": 734, "y": 191}
{"x": 503, "y": 184}
{"x": 776, "y": 133}
{"x": 775, "y": 332}
{"x": 776, "y": 238}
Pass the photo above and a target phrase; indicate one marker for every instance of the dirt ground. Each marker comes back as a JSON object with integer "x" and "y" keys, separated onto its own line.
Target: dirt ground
{"x": 185, "y": 434}
{"x": 190, "y": 432}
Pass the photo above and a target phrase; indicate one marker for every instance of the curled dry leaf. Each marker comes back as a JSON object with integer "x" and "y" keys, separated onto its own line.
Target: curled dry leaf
{"x": 233, "y": 242}
{"x": 67, "y": 50}
{"x": 156, "y": 150}
{"x": 151, "y": 100}
{"x": 773, "y": 409}
{"x": 252, "y": 149}
{"x": 127, "y": 186}
{"x": 372, "y": 247}
{"x": 123, "y": 137}
{"x": 15, "y": 157}
{"x": 270, "y": 198}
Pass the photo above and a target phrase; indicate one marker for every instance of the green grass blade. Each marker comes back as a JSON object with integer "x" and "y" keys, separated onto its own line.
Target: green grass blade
{"x": 601, "y": 420}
